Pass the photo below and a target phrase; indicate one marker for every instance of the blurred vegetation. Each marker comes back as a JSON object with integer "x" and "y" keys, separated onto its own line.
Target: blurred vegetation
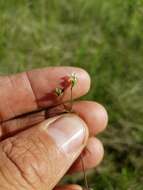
{"x": 103, "y": 37}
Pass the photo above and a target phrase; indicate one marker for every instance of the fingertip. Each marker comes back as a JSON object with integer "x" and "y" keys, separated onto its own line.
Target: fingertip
{"x": 94, "y": 114}
{"x": 96, "y": 149}
{"x": 102, "y": 117}
{"x": 92, "y": 156}
{"x": 86, "y": 80}
{"x": 69, "y": 187}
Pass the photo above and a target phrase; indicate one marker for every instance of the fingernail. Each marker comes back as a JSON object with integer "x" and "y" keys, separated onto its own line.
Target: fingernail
{"x": 68, "y": 132}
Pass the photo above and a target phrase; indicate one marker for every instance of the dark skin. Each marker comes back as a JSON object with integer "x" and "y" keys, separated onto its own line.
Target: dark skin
{"x": 23, "y": 94}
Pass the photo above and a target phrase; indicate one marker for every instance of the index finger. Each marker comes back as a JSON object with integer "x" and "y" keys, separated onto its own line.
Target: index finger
{"x": 29, "y": 91}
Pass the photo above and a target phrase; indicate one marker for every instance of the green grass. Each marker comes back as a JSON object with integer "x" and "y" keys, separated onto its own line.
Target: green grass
{"x": 103, "y": 37}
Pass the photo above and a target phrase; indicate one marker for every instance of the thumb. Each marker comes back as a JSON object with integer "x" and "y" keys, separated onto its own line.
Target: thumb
{"x": 39, "y": 157}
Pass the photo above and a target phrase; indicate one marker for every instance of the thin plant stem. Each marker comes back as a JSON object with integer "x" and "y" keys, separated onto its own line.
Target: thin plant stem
{"x": 84, "y": 172}
{"x": 82, "y": 161}
{"x": 71, "y": 99}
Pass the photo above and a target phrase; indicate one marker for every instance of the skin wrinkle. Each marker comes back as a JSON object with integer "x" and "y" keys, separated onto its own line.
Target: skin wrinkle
{"x": 32, "y": 89}
{"x": 8, "y": 82}
{"x": 13, "y": 86}
{"x": 46, "y": 159}
{"x": 37, "y": 174}
{"x": 50, "y": 161}
{"x": 1, "y": 115}
{"x": 45, "y": 147}
{"x": 7, "y": 153}
{"x": 19, "y": 169}
{"x": 41, "y": 152}
{"x": 27, "y": 150}
{"x": 13, "y": 83}
{"x": 13, "y": 141}
{"x": 46, "y": 153}
{"x": 35, "y": 170}
{"x": 7, "y": 181}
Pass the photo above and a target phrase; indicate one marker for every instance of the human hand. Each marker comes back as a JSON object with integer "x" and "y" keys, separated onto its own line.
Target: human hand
{"x": 36, "y": 152}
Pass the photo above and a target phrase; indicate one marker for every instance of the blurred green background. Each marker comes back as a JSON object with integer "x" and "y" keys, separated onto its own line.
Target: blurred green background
{"x": 103, "y": 37}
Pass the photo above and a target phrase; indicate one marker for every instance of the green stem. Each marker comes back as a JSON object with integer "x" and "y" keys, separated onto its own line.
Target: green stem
{"x": 71, "y": 99}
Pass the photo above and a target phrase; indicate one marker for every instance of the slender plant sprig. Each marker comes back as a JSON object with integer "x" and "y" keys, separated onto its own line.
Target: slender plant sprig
{"x": 84, "y": 172}
{"x": 73, "y": 80}
{"x": 59, "y": 92}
